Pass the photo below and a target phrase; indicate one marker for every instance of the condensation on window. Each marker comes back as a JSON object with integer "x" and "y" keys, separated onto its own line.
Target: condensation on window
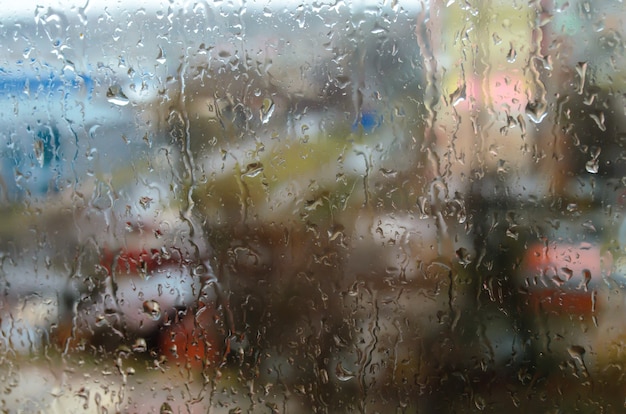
{"x": 320, "y": 206}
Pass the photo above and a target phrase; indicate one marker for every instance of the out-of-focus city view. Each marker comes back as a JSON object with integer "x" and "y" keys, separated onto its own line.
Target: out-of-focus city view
{"x": 321, "y": 206}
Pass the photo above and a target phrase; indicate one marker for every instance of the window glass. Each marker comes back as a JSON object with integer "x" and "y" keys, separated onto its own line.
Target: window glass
{"x": 321, "y": 206}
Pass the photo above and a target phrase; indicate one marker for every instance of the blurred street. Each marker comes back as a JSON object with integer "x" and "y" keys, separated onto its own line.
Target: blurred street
{"x": 232, "y": 207}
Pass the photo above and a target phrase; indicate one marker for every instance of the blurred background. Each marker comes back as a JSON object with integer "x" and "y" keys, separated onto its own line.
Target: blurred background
{"x": 325, "y": 206}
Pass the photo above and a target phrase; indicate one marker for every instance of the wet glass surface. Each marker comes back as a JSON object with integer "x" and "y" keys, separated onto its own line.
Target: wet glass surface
{"x": 312, "y": 207}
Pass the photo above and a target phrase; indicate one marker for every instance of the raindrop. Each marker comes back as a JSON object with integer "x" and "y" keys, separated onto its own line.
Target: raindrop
{"x": 92, "y": 130}
{"x": 161, "y": 58}
{"x": 324, "y": 376}
{"x": 422, "y": 205}
{"x": 599, "y": 119}
{"x": 342, "y": 373}
{"x": 388, "y": 173}
{"x": 581, "y": 69}
{"x": 512, "y": 55}
{"x": 116, "y": 96}
{"x": 152, "y": 308}
{"x": 38, "y": 147}
{"x": 145, "y": 202}
{"x": 536, "y": 111}
{"x": 567, "y": 272}
{"x": 584, "y": 284}
{"x": 458, "y": 96}
{"x": 480, "y": 403}
{"x": 343, "y": 81}
{"x": 140, "y": 345}
{"x": 166, "y": 409}
{"x": 576, "y": 352}
{"x": 463, "y": 256}
{"x": 589, "y": 226}
{"x": 100, "y": 321}
{"x": 267, "y": 110}
{"x": 253, "y": 170}
{"x": 592, "y": 166}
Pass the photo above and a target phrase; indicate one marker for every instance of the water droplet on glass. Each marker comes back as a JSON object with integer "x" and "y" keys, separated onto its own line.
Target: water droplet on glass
{"x": 576, "y": 352}
{"x": 458, "y": 95}
{"x": 584, "y": 284}
{"x": 536, "y": 111}
{"x": 253, "y": 169}
{"x": 100, "y": 320}
{"x": 480, "y": 403}
{"x": 38, "y": 147}
{"x": 512, "y": 55}
{"x": 152, "y": 308}
{"x": 581, "y": 70}
{"x": 145, "y": 202}
{"x": 267, "y": 110}
{"x": 342, "y": 373}
{"x": 599, "y": 120}
{"x": 324, "y": 376}
{"x": 166, "y": 409}
{"x": 161, "y": 57}
{"x": 589, "y": 226}
{"x": 592, "y": 166}
{"x": 463, "y": 256}
{"x": 116, "y": 96}
{"x": 140, "y": 345}
{"x": 567, "y": 272}
{"x": 422, "y": 205}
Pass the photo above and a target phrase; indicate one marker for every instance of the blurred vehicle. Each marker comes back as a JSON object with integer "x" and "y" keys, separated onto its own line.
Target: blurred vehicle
{"x": 563, "y": 279}
{"x": 153, "y": 280}
{"x": 569, "y": 293}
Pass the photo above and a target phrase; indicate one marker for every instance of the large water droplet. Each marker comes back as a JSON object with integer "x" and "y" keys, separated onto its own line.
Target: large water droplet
{"x": 536, "y": 111}
{"x": 599, "y": 120}
{"x": 512, "y": 55}
{"x": 116, "y": 96}
{"x": 166, "y": 409}
{"x": 581, "y": 69}
{"x": 152, "y": 308}
{"x": 576, "y": 352}
{"x": 267, "y": 110}
{"x": 140, "y": 345}
{"x": 161, "y": 58}
{"x": 38, "y": 147}
{"x": 459, "y": 95}
{"x": 592, "y": 166}
{"x": 342, "y": 373}
{"x": 253, "y": 169}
